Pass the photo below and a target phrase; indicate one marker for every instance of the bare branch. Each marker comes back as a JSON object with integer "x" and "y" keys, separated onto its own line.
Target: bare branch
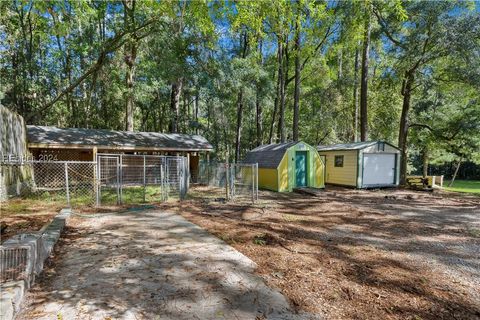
{"x": 110, "y": 46}
{"x": 385, "y": 29}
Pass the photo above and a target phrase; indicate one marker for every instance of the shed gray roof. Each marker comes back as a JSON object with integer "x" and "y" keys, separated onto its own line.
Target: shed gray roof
{"x": 89, "y": 138}
{"x": 268, "y": 155}
{"x": 351, "y": 146}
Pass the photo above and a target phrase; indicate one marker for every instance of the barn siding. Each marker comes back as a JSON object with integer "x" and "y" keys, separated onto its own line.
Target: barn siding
{"x": 267, "y": 179}
{"x": 283, "y": 174}
{"x": 346, "y": 175}
{"x": 319, "y": 173}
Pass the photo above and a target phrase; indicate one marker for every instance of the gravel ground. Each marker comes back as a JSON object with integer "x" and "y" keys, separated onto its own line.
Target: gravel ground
{"x": 358, "y": 254}
{"x": 150, "y": 265}
{"x": 438, "y": 231}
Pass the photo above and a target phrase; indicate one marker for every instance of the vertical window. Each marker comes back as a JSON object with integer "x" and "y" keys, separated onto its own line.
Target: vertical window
{"x": 338, "y": 161}
{"x": 381, "y": 146}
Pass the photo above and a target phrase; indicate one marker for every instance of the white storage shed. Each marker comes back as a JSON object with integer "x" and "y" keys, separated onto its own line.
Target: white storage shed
{"x": 361, "y": 164}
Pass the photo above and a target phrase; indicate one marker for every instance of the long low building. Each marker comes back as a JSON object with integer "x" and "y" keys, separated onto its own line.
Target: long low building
{"x": 80, "y": 144}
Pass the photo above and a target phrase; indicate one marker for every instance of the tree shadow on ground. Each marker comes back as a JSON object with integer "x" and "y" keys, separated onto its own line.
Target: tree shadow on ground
{"x": 149, "y": 266}
{"x": 416, "y": 249}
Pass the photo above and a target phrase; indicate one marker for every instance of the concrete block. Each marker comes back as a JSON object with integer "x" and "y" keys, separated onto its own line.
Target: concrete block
{"x": 66, "y": 212}
{"x": 6, "y": 306}
{"x": 39, "y": 246}
{"x": 11, "y": 298}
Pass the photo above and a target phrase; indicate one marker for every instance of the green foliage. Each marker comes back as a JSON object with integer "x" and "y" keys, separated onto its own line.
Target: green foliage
{"x": 46, "y": 46}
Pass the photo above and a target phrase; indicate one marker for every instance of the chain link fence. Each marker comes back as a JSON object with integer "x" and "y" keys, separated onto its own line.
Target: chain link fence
{"x": 112, "y": 179}
{"x": 239, "y": 180}
{"x": 72, "y": 183}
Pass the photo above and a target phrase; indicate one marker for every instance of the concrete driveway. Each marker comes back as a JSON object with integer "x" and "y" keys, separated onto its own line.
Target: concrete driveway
{"x": 150, "y": 265}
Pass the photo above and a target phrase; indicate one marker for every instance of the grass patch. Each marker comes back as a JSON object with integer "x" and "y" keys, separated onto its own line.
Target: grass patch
{"x": 469, "y": 186}
{"x": 80, "y": 198}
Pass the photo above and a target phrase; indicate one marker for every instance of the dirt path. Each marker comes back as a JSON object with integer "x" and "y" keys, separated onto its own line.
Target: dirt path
{"x": 150, "y": 265}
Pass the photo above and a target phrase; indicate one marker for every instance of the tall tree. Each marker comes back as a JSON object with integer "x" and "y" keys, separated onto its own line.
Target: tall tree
{"x": 355, "y": 95}
{"x": 296, "y": 97}
{"x": 364, "y": 77}
{"x": 175, "y": 104}
{"x": 130, "y": 55}
{"x": 240, "y": 99}
{"x": 258, "y": 103}
{"x": 432, "y": 33}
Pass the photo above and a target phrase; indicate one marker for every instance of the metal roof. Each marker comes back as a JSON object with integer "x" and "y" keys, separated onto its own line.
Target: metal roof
{"x": 268, "y": 155}
{"x": 351, "y": 146}
{"x": 89, "y": 138}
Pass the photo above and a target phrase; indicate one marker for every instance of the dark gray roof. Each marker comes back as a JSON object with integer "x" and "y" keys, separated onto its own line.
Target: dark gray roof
{"x": 118, "y": 139}
{"x": 350, "y": 146}
{"x": 268, "y": 155}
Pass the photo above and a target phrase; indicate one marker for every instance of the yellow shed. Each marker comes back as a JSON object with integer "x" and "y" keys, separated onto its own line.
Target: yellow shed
{"x": 284, "y": 166}
{"x": 361, "y": 164}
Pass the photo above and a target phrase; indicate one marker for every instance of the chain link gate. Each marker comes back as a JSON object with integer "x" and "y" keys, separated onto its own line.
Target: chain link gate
{"x": 141, "y": 178}
{"x": 108, "y": 187}
{"x": 243, "y": 181}
{"x": 239, "y": 180}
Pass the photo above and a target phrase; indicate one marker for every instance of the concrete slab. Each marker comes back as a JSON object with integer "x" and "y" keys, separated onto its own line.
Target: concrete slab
{"x": 152, "y": 265}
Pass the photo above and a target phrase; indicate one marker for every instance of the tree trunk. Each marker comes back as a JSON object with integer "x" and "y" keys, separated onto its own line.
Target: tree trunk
{"x": 130, "y": 56}
{"x": 403, "y": 133}
{"x": 258, "y": 105}
{"x": 239, "y": 125}
{"x": 129, "y": 103}
{"x": 196, "y": 113}
{"x": 240, "y": 101}
{"x": 296, "y": 98}
{"x": 281, "y": 118}
{"x": 425, "y": 162}
{"x": 175, "y": 104}
{"x": 259, "y": 119}
{"x": 279, "y": 81}
{"x": 364, "y": 82}
{"x": 355, "y": 97}
{"x": 456, "y": 172}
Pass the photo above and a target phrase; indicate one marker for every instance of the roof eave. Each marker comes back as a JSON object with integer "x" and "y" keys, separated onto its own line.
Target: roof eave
{"x": 123, "y": 148}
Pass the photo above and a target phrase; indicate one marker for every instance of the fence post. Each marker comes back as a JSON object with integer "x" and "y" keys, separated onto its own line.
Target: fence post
{"x": 67, "y": 189}
{"x": 227, "y": 180}
{"x": 256, "y": 181}
{"x": 117, "y": 170}
{"x": 120, "y": 178}
{"x": 184, "y": 177}
{"x": 253, "y": 182}
{"x": 97, "y": 180}
{"x": 144, "y": 180}
{"x": 180, "y": 176}
{"x": 162, "y": 183}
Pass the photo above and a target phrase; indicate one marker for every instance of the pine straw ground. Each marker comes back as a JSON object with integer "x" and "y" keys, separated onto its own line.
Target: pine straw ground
{"x": 354, "y": 254}
{"x": 24, "y": 216}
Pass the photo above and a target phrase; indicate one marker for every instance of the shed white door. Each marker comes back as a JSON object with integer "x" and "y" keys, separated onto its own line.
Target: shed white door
{"x": 378, "y": 169}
